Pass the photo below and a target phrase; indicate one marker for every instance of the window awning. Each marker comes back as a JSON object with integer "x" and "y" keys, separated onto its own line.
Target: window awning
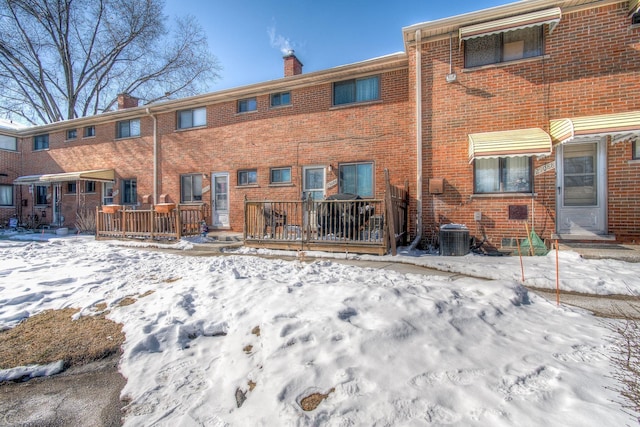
{"x": 510, "y": 143}
{"x": 534, "y": 19}
{"x": 104, "y": 175}
{"x": 620, "y": 126}
{"x": 634, "y": 6}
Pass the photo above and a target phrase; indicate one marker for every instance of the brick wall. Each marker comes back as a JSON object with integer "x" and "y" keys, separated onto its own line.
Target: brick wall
{"x": 9, "y": 171}
{"x": 591, "y": 66}
{"x": 308, "y": 132}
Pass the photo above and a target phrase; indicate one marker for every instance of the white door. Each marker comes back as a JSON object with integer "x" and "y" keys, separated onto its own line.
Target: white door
{"x": 313, "y": 180}
{"x": 581, "y": 188}
{"x": 57, "y": 202}
{"x": 220, "y": 200}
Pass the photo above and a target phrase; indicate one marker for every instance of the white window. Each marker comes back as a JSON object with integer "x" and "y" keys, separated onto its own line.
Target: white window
{"x": 6, "y": 195}
{"x": 247, "y": 177}
{"x": 356, "y": 90}
{"x": 357, "y": 178}
{"x": 191, "y": 188}
{"x": 503, "y": 47}
{"x": 192, "y": 118}
{"x": 8, "y": 143}
{"x": 128, "y": 128}
{"x": 280, "y": 175}
{"x": 503, "y": 175}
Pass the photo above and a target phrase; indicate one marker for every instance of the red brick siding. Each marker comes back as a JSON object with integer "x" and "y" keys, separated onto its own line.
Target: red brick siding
{"x": 592, "y": 66}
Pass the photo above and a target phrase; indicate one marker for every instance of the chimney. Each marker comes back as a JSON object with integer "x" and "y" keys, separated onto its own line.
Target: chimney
{"x": 292, "y": 66}
{"x": 126, "y": 101}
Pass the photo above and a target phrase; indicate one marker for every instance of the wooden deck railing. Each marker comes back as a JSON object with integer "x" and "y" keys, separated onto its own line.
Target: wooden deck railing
{"x": 160, "y": 222}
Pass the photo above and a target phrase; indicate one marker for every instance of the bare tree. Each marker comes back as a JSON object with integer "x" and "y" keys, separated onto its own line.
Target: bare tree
{"x": 62, "y": 59}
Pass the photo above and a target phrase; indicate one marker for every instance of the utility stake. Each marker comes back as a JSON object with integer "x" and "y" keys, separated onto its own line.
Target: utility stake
{"x": 557, "y": 276}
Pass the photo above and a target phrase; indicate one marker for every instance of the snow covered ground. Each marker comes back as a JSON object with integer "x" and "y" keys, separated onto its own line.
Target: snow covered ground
{"x": 385, "y": 348}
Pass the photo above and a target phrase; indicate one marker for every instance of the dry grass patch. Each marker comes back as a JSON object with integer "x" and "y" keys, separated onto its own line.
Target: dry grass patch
{"x": 312, "y": 401}
{"x": 52, "y": 335}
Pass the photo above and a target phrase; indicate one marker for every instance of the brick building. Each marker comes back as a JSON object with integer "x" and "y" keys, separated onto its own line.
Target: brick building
{"x": 527, "y": 113}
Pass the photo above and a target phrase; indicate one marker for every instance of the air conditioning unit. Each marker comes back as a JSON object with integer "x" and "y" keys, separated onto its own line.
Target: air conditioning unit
{"x": 454, "y": 240}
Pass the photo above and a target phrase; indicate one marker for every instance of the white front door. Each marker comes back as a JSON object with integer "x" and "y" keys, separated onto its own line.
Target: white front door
{"x": 581, "y": 184}
{"x": 220, "y": 200}
{"x": 57, "y": 202}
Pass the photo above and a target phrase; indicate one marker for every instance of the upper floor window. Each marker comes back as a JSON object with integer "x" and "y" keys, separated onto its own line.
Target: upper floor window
{"x": 636, "y": 150}
{"x": 41, "y": 194}
{"x": 192, "y": 118}
{"x": 635, "y": 18}
{"x": 128, "y": 128}
{"x": 191, "y": 188}
{"x": 356, "y": 90}
{"x": 357, "y": 178}
{"x": 280, "y": 175}
{"x": 89, "y": 186}
{"x": 247, "y": 177}
{"x": 6, "y": 195}
{"x": 41, "y": 142}
{"x": 503, "y": 47}
{"x": 280, "y": 99}
{"x": 8, "y": 143}
{"x": 502, "y": 175}
{"x": 89, "y": 131}
{"x": 72, "y": 133}
{"x": 129, "y": 192}
{"x": 249, "y": 104}
{"x": 71, "y": 187}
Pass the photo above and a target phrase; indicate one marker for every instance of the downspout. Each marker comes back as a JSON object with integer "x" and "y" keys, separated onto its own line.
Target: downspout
{"x": 155, "y": 157}
{"x": 418, "y": 64}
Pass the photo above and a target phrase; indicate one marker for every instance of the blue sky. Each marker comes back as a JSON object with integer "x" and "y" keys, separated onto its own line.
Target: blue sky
{"x": 247, "y": 35}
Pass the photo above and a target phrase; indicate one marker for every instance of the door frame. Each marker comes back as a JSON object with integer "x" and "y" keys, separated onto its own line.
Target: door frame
{"x": 601, "y": 208}
{"x": 220, "y": 221}
{"x": 324, "y": 178}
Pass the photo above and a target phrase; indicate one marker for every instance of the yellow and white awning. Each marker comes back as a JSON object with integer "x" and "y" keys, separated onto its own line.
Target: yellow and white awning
{"x": 103, "y": 175}
{"x": 510, "y": 143}
{"x": 534, "y": 19}
{"x": 634, "y": 6}
{"x": 620, "y": 126}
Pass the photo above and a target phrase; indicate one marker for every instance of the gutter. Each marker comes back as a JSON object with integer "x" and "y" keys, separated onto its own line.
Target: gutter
{"x": 155, "y": 156}
{"x": 418, "y": 64}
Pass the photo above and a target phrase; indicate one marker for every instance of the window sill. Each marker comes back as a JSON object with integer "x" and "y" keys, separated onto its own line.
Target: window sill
{"x": 71, "y": 140}
{"x": 506, "y": 64}
{"x": 278, "y": 107}
{"x": 355, "y": 104}
{"x": 502, "y": 195}
{"x": 247, "y": 186}
{"x": 191, "y": 128}
{"x": 283, "y": 184}
{"x": 89, "y": 137}
{"x": 39, "y": 149}
{"x": 7, "y": 206}
{"x": 242, "y": 113}
{"x": 633, "y": 162}
{"x": 128, "y": 137}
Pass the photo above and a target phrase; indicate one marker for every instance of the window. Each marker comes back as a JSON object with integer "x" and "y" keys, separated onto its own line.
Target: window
{"x": 247, "y": 177}
{"x": 635, "y": 18}
{"x": 128, "y": 128}
{"x": 503, "y": 47}
{"x": 41, "y": 142}
{"x": 357, "y": 178}
{"x": 89, "y": 186}
{"x": 6, "y": 195}
{"x": 191, "y": 188}
{"x": 503, "y": 175}
{"x": 41, "y": 194}
{"x": 107, "y": 193}
{"x": 356, "y": 90}
{"x": 280, "y": 175}
{"x": 280, "y": 99}
{"x": 129, "y": 192}
{"x": 71, "y": 187}
{"x": 192, "y": 118}
{"x": 636, "y": 149}
{"x": 89, "y": 131}
{"x": 72, "y": 133}
{"x": 8, "y": 143}
{"x": 245, "y": 105}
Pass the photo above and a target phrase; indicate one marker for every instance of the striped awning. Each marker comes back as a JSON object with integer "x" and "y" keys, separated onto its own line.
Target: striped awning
{"x": 510, "y": 143}
{"x": 634, "y": 6}
{"x": 104, "y": 175}
{"x": 620, "y": 126}
{"x": 534, "y": 19}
